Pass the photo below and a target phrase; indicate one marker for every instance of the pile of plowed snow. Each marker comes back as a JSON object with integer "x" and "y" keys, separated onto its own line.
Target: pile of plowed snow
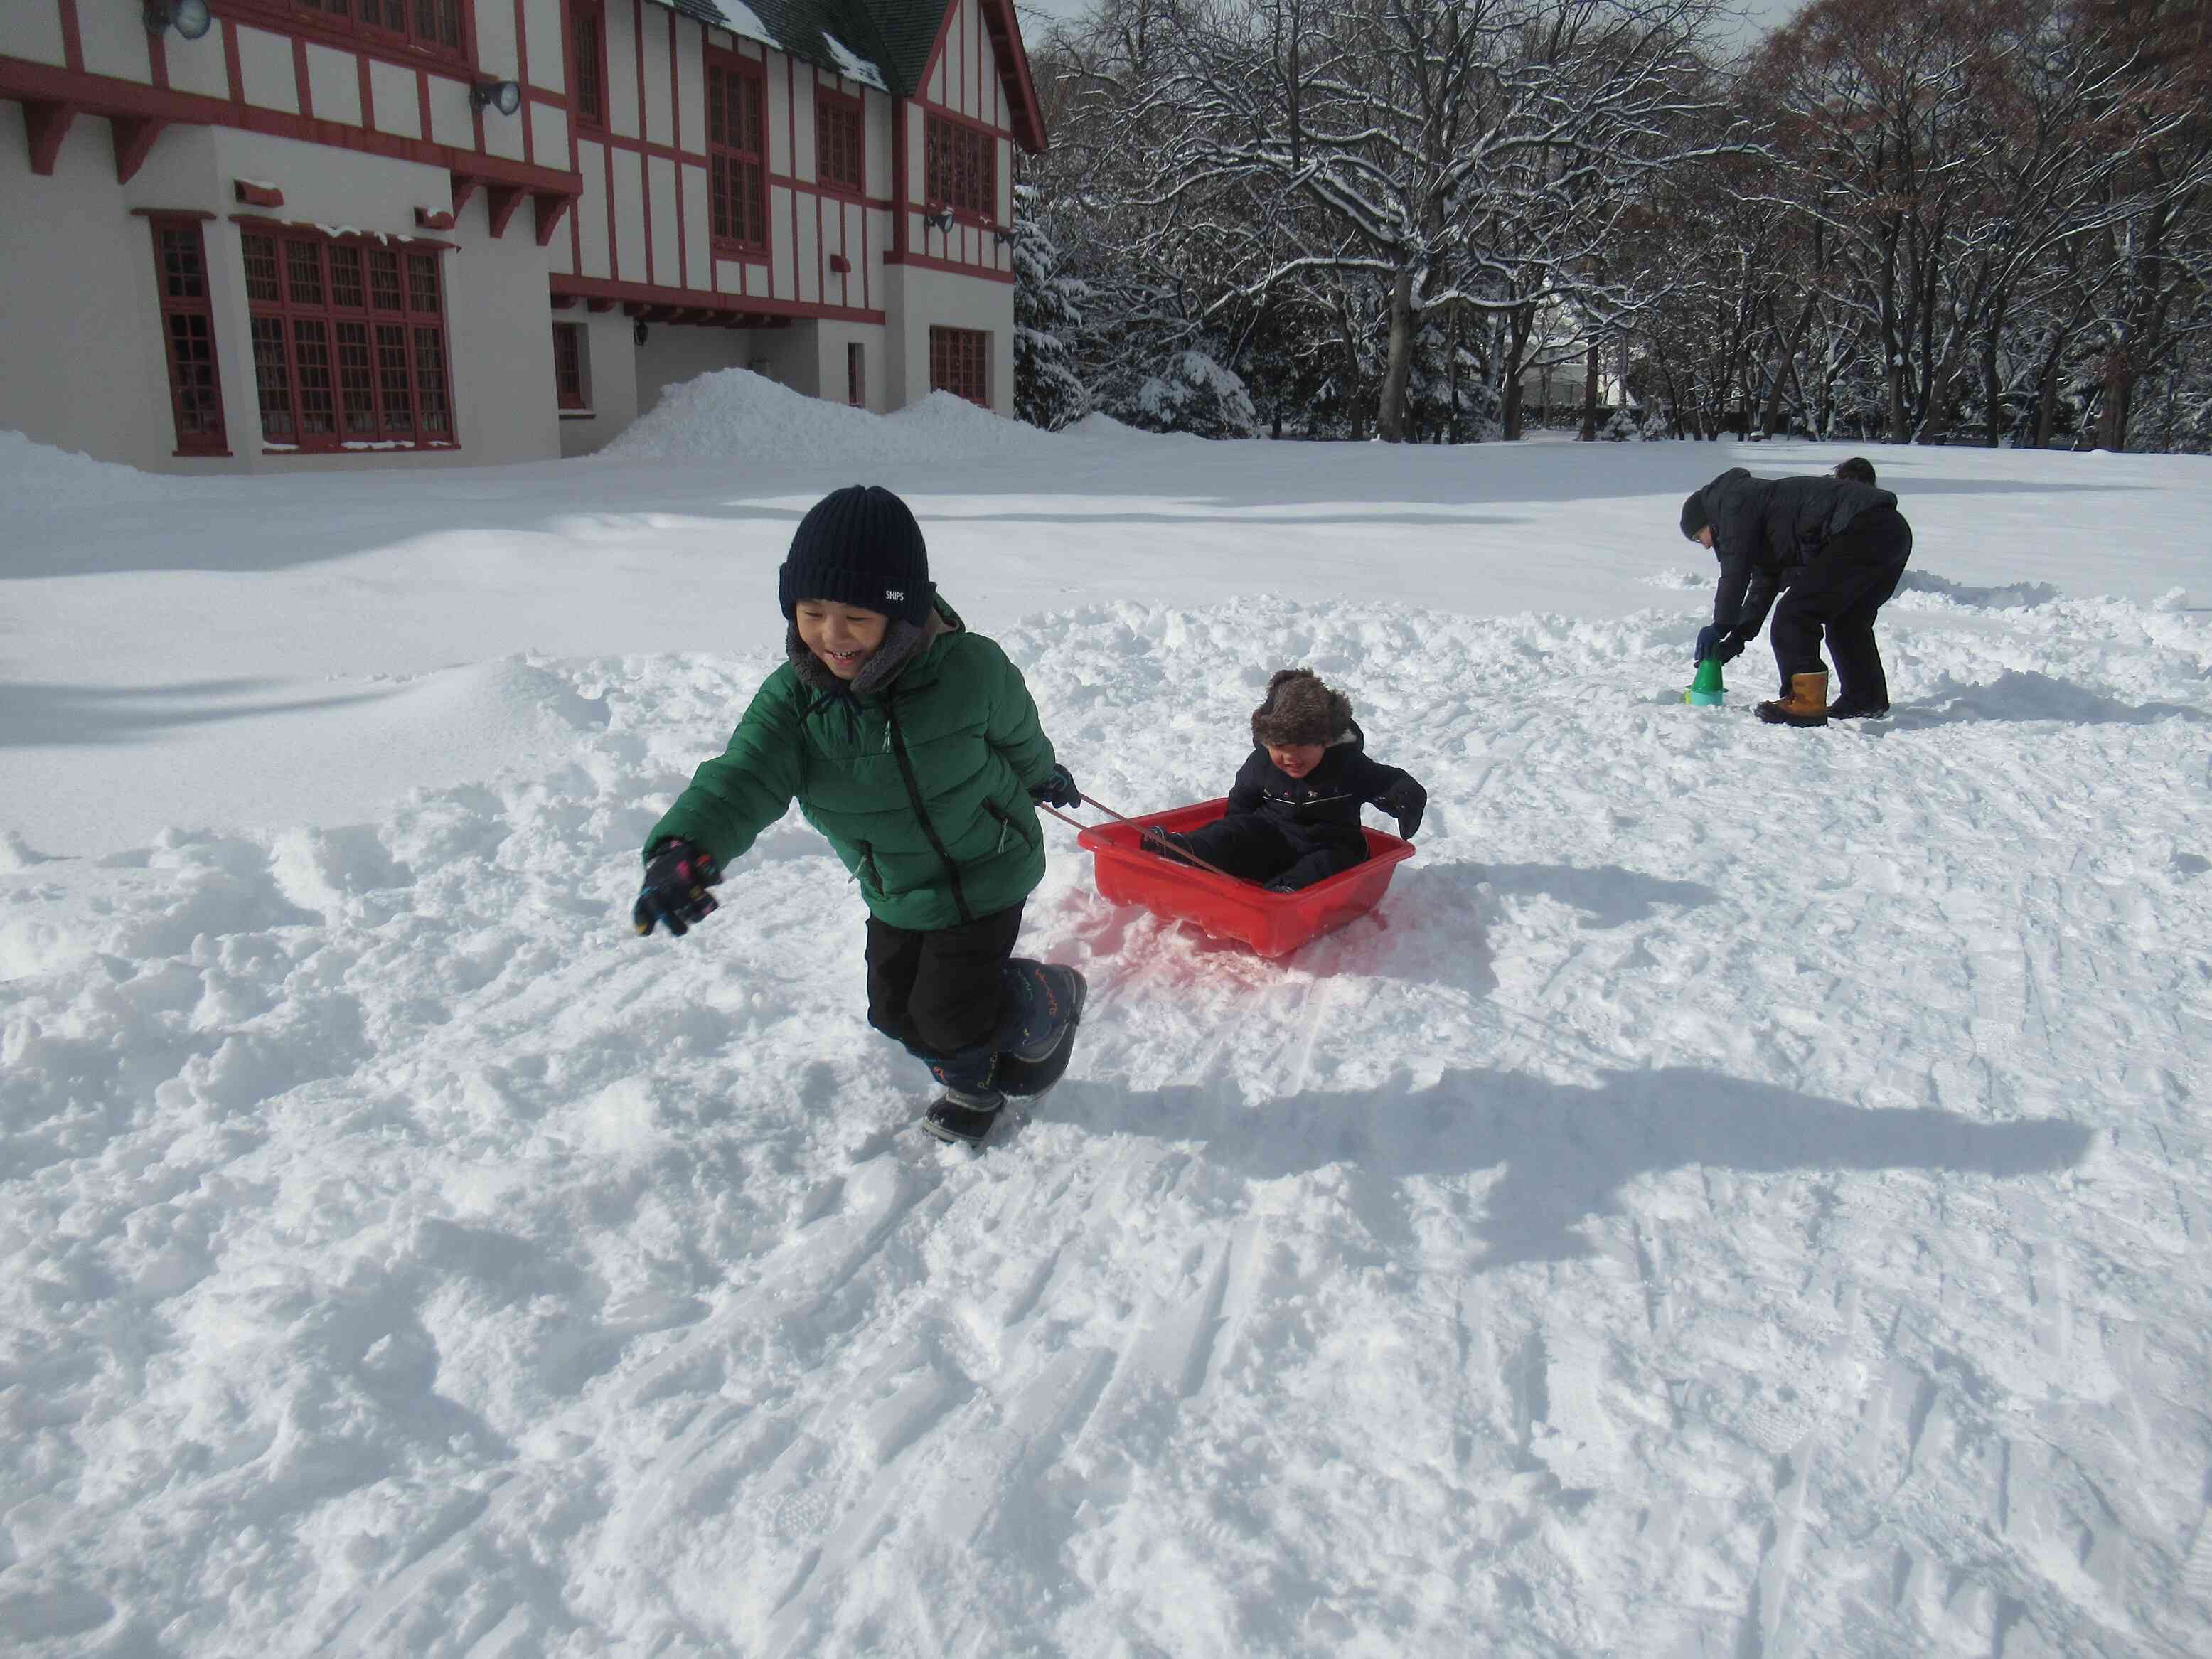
{"x": 37, "y": 477}
{"x": 735, "y": 415}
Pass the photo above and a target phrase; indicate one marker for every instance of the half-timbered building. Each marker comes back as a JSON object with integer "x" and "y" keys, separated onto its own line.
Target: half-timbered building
{"x": 252, "y": 235}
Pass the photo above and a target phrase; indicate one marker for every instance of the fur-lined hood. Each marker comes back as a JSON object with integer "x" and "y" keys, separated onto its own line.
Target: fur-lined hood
{"x": 1300, "y": 709}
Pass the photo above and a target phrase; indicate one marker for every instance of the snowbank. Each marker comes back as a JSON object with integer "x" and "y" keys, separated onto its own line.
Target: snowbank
{"x": 738, "y": 416}
{"x": 37, "y": 478}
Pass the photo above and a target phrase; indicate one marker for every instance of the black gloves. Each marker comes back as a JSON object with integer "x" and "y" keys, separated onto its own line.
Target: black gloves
{"x": 1058, "y": 790}
{"x": 1723, "y": 644}
{"x": 677, "y": 878}
{"x": 1405, "y": 800}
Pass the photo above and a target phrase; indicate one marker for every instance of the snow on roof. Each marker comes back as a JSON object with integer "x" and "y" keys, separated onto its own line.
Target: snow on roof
{"x": 733, "y": 15}
{"x": 851, "y": 65}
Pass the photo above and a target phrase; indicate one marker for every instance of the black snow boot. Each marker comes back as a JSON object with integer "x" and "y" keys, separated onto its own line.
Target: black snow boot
{"x": 1846, "y": 709}
{"x": 1033, "y": 1068}
{"x": 964, "y": 1116}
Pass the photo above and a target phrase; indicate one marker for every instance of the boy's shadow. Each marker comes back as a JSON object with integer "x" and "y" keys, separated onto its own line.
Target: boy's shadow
{"x": 1564, "y": 1152}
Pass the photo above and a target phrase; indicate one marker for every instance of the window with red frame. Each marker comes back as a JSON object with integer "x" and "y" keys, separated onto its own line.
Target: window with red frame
{"x": 959, "y": 360}
{"x": 587, "y": 37}
{"x": 428, "y": 25}
{"x": 737, "y": 127}
{"x": 349, "y": 341}
{"x": 961, "y": 168}
{"x": 837, "y": 153}
{"x": 188, "y": 336}
{"x": 570, "y": 387}
{"x": 856, "y": 392}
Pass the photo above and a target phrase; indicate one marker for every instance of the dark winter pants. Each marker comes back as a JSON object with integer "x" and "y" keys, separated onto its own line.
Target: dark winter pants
{"x": 1254, "y": 847}
{"x": 942, "y": 993}
{"x": 1839, "y": 591}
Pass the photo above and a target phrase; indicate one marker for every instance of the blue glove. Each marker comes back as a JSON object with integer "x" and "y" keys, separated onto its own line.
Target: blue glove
{"x": 1058, "y": 790}
{"x": 1722, "y": 644}
{"x": 675, "y": 895}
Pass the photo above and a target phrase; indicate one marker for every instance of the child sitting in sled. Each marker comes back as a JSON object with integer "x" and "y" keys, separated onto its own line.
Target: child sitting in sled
{"x": 1293, "y": 813}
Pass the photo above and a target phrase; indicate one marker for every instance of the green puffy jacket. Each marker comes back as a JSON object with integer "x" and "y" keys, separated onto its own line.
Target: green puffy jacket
{"x": 922, "y": 788}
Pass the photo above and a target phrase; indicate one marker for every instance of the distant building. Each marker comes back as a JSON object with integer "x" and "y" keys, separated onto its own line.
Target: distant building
{"x": 348, "y": 232}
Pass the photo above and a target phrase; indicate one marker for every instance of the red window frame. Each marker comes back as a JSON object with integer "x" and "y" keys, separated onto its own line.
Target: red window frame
{"x": 840, "y": 142}
{"x": 736, "y": 152}
{"x": 961, "y": 168}
{"x": 417, "y": 28}
{"x": 180, "y": 280}
{"x": 570, "y": 387}
{"x": 350, "y": 341}
{"x": 960, "y": 363}
{"x": 587, "y": 42}
{"x": 856, "y": 392}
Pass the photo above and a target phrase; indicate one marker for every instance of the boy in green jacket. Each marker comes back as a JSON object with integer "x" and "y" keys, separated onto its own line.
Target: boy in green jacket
{"x": 913, "y": 745}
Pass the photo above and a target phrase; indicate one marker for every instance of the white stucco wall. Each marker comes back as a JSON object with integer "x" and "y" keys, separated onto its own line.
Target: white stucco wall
{"x": 81, "y": 343}
{"x": 917, "y": 298}
{"x": 81, "y": 346}
{"x": 609, "y": 379}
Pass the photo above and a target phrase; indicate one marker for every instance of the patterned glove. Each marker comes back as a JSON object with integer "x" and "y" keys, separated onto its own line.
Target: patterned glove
{"x": 1405, "y": 800}
{"x": 1058, "y": 790}
{"x": 675, "y": 895}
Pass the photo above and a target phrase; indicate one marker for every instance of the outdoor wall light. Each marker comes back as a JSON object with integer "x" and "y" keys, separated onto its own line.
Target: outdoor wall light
{"x": 639, "y": 333}
{"x": 505, "y": 96}
{"x": 189, "y": 18}
{"x": 942, "y": 219}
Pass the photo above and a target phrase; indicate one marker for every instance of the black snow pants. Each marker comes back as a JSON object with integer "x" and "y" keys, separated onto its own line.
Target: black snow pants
{"x": 1839, "y": 591}
{"x": 1253, "y": 847}
{"x": 941, "y": 994}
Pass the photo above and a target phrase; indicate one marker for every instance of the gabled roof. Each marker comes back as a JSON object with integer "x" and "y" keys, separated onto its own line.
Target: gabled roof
{"x": 881, "y": 43}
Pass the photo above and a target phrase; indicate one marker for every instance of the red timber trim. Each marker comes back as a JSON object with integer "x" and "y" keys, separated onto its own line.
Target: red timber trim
{"x": 38, "y": 86}
{"x": 644, "y": 130}
{"x": 931, "y": 262}
{"x": 595, "y": 290}
{"x": 501, "y": 201}
{"x": 72, "y": 38}
{"x": 316, "y": 381}
{"x": 253, "y": 194}
{"x": 947, "y": 113}
{"x": 902, "y": 185}
{"x": 1027, "y": 127}
{"x": 791, "y": 129}
{"x": 522, "y": 74}
{"x": 348, "y": 34}
{"x": 614, "y": 228}
{"x": 234, "y": 76}
{"x": 45, "y": 123}
{"x": 853, "y": 104}
{"x": 429, "y": 219}
{"x": 549, "y": 209}
{"x": 157, "y": 58}
{"x": 188, "y": 342}
{"x": 368, "y": 91}
{"x": 301, "y": 92}
{"x": 199, "y": 214}
{"x": 134, "y": 139}
{"x": 676, "y": 143}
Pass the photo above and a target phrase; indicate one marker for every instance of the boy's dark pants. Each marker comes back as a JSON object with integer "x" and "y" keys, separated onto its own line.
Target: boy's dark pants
{"x": 1839, "y": 591}
{"x": 1253, "y": 847}
{"x": 942, "y": 992}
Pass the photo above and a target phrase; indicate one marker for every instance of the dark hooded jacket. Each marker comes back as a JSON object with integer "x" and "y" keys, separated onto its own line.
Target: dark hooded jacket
{"x": 1765, "y": 529}
{"x": 1321, "y": 809}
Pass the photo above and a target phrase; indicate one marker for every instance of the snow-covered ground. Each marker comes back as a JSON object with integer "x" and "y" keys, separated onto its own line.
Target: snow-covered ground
{"x": 1739, "y": 1197}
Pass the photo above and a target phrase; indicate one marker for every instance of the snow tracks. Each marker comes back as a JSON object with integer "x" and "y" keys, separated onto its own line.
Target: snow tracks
{"x": 1742, "y": 1196}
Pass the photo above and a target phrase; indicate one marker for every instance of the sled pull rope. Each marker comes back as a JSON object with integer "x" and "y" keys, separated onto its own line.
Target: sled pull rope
{"x": 1169, "y": 849}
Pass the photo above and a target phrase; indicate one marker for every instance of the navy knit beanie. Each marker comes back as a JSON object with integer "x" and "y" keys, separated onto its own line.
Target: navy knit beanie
{"x": 859, "y": 546}
{"x": 1695, "y": 516}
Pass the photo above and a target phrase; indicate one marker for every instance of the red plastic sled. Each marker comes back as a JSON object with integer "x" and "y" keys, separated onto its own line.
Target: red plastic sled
{"x": 1272, "y": 924}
